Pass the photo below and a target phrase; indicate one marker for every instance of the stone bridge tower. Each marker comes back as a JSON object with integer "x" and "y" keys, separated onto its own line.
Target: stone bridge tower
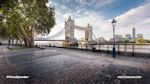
{"x": 69, "y": 28}
{"x": 88, "y": 33}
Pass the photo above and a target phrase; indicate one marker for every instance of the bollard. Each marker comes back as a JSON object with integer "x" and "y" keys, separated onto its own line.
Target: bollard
{"x": 93, "y": 48}
{"x": 125, "y": 50}
{"x": 99, "y": 48}
{"x": 114, "y": 52}
{"x": 118, "y": 49}
{"x": 86, "y": 47}
{"x": 133, "y": 49}
{"x": 107, "y": 48}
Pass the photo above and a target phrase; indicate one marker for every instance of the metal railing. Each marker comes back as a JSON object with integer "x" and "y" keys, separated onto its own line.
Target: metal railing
{"x": 121, "y": 49}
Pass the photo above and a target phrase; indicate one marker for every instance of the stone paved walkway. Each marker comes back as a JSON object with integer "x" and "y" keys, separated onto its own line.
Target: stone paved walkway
{"x": 7, "y": 69}
{"x": 66, "y": 66}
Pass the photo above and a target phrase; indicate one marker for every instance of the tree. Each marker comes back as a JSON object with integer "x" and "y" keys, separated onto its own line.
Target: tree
{"x": 126, "y": 41}
{"x": 27, "y": 18}
{"x": 140, "y": 40}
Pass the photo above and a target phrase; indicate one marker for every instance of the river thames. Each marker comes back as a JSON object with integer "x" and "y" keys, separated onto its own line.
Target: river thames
{"x": 122, "y": 47}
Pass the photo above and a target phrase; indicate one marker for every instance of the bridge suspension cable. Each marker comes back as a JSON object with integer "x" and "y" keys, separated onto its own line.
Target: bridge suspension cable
{"x": 94, "y": 36}
{"x": 58, "y": 34}
{"x": 53, "y": 37}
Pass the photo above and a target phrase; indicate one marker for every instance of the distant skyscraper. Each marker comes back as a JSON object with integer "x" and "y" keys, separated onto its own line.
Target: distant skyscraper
{"x": 133, "y": 33}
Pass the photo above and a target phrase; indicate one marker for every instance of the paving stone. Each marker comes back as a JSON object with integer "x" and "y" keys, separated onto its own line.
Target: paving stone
{"x": 65, "y": 66}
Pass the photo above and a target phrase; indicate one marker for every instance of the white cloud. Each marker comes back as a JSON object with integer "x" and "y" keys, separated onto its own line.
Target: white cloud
{"x": 84, "y": 2}
{"x": 65, "y": 0}
{"x": 101, "y": 27}
{"x": 63, "y": 7}
{"x": 66, "y": 15}
{"x": 95, "y": 3}
{"x": 49, "y": 3}
{"x": 137, "y": 17}
{"x": 101, "y": 3}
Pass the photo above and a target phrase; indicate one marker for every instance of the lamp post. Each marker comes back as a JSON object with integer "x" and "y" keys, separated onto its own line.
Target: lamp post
{"x": 113, "y": 25}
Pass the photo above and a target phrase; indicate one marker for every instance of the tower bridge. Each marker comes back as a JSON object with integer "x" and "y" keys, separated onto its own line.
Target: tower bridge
{"x": 70, "y": 27}
{"x": 69, "y": 30}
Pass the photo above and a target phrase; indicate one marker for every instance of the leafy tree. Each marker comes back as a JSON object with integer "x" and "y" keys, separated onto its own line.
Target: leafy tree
{"x": 140, "y": 40}
{"x": 27, "y": 18}
{"x": 126, "y": 41}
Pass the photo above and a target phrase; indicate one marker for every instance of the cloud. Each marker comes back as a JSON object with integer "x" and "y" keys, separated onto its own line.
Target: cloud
{"x": 65, "y": 0}
{"x": 66, "y": 15}
{"x": 101, "y": 3}
{"x": 101, "y": 27}
{"x": 84, "y": 2}
{"x": 95, "y": 3}
{"x": 137, "y": 17}
{"x": 63, "y": 7}
{"x": 49, "y": 3}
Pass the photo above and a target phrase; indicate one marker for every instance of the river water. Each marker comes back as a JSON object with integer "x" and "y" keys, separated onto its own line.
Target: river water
{"x": 127, "y": 48}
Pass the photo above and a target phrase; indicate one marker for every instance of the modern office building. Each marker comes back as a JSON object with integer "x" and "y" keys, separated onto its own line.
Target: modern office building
{"x": 119, "y": 38}
{"x": 139, "y": 35}
{"x": 133, "y": 33}
{"x": 128, "y": 37}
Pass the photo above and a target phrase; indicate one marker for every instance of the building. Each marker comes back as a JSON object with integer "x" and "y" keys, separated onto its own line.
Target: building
{"x": 140, "y": 36}
{"x": 70, "y": 27}
{"x": 3, "y": 41}
{"x": 133, "y": 33}
{"x": 119, "y": 38}
{"x": 128, "y": 37}
{"x": 100, "y": 40}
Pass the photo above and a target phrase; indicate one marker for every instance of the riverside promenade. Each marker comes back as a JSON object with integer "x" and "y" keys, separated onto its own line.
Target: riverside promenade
{"x": 68, "y": 66}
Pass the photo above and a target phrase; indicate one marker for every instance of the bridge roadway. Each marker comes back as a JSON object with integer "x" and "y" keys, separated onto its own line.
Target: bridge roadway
{"x": 65, "y": 66}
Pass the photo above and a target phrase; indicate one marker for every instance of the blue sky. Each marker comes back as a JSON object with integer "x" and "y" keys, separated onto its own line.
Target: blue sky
{"x": 99, "y": 13}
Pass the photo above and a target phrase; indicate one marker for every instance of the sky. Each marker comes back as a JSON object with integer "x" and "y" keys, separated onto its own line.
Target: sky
{"x": 99, "y": 13}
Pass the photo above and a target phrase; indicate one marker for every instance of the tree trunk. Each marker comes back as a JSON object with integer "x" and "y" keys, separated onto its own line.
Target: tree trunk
{"x": 12, "y": 42}
{"x": 32, "y": 37}
{"x": 26, "y": 43}
{"x": 20, "y": 42}
{"x": 17, "y": 41}
{"x": 26, "y": 37}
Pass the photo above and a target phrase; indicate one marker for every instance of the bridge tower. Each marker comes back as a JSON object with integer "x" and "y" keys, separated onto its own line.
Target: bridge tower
{"x": 88, "y": 33}
{"x": 69, "y": 28}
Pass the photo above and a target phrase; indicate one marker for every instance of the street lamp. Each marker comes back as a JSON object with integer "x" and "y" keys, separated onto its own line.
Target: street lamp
{"x": 113, "y": 25}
